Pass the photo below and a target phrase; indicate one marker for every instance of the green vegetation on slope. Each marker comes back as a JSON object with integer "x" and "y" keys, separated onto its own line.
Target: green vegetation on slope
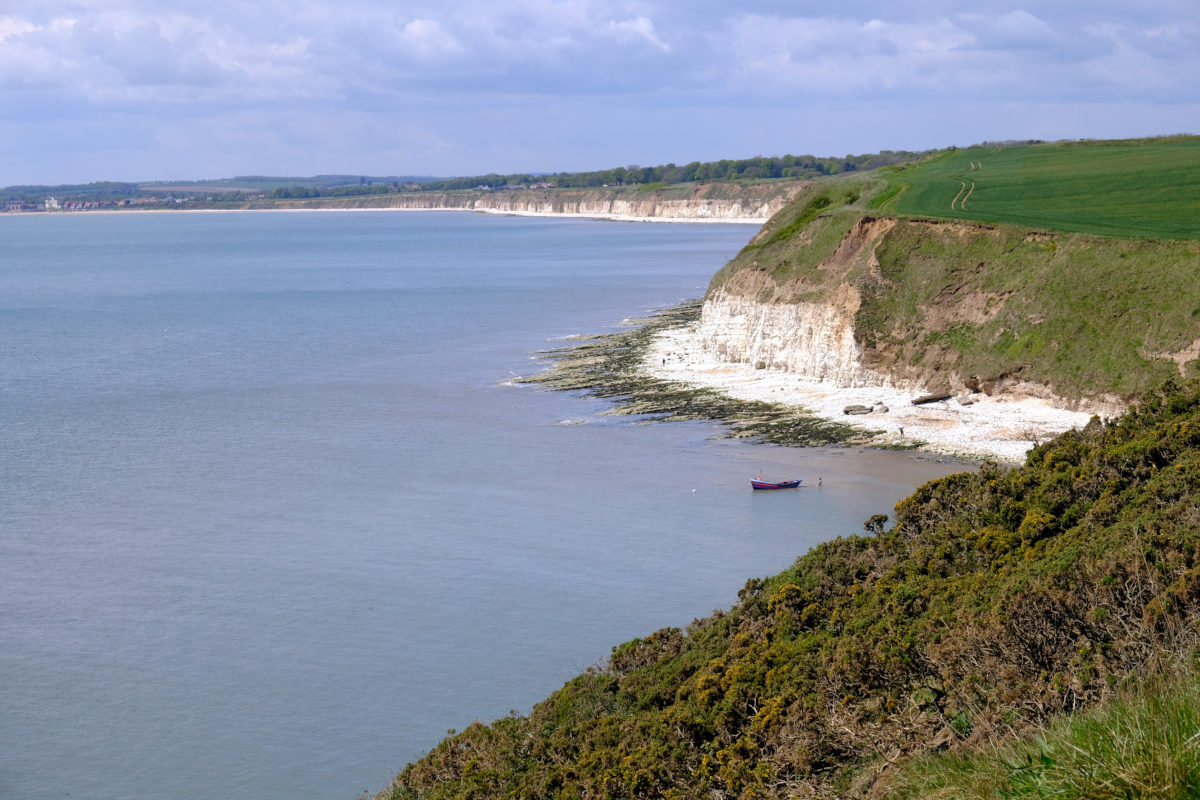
{"x": 806, "y": 232}
{"x": 997, "y": 601}
{"x": 954, "y": 303}
{"x": 1142, "y": 745}
{"x": 1145, "y": 188}
{"x": 1081, "y": 314}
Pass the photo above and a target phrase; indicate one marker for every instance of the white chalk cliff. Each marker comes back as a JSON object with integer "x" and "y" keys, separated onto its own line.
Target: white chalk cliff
{"x": 704, "y": 203}
{"x": 809, "y": 339}
{"x": 752, "y": 319}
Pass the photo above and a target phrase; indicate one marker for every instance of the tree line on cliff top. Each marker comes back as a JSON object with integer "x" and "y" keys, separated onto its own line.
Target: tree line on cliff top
{"x": 758, "y": 168}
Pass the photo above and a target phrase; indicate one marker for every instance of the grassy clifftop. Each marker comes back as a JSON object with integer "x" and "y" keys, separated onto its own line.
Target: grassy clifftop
{"x": 976, "y": 293}
{"x": 1142, "y": 188}
{"x": 996, "y": 601}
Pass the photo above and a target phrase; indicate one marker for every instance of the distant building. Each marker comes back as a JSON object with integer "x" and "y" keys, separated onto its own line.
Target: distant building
{"x": 52, "y": 204}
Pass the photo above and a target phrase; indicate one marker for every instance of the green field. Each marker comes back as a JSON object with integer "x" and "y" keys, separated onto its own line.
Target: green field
{"x": 1146, "y": 188}
{"x": 1140, "y": 744}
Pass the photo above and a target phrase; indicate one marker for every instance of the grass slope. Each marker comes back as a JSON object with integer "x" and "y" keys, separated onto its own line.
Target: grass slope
{"x": 1081, "y": 314}
{"x": 997, "y": 601}
{"x": 1146, "y": 188}
{"x": 1141, "y": 745}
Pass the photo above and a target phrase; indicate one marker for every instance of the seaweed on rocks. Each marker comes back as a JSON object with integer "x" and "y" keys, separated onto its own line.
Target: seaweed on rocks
{"x": 610, "y": 366}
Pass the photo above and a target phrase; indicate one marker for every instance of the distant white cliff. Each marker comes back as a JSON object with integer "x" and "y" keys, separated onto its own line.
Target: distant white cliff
{"x": 728, "y": 203}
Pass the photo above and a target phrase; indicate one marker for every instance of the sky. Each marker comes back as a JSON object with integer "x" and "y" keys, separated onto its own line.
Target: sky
{"x": 144, "y": 90}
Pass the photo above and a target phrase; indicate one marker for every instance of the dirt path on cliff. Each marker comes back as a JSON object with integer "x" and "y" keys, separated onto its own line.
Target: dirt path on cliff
{"x": 960, "y": 191}
{"x": 963, "y": 204}
{"x": 963, "y": 188}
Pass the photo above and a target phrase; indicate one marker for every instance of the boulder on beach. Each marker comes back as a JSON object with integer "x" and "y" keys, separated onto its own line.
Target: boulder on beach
{"x": 856, "y": 409}
{"x": 930, "y": 398}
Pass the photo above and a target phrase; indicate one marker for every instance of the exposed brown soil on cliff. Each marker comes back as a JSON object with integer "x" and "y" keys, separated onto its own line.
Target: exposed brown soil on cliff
{"x": 940, "y": 304}
{"x": 858, "y": 247}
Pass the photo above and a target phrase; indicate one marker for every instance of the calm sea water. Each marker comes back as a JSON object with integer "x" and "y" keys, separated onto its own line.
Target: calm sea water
{"x": 272, "y": 520}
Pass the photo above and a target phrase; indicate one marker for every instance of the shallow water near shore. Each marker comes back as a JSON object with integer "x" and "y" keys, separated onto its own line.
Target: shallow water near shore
{"x": 272, "y": 518}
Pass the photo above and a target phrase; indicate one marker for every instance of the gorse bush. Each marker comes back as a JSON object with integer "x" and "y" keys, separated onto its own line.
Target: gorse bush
{"x": 996, "y": 601}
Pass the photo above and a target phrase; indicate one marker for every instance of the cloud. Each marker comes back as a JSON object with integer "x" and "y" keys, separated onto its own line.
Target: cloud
{"x": 255, "y": 51}
{"x": 828, "y": 56}
{"x": 229, "y": 53}
{"x": 121, "y": 56}
{"x": 1148, "y": 62}
{"x": 639, "y": 27}
{"x": 11, "y": 26}
{"x": 428, "y": 40}
{"x": 1009, "y": 56}
{"x": 142, "y": 54}
{"x": 482, "y": 78}
{"x": 1015, "y": 30}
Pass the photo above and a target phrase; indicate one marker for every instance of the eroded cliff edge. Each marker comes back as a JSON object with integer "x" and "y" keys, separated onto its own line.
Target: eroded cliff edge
{"x": 835, "y": 293}
{"x": 966, "y": 338}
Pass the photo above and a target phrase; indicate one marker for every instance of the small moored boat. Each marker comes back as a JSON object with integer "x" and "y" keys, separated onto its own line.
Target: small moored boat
{"x": 761, "y": 484}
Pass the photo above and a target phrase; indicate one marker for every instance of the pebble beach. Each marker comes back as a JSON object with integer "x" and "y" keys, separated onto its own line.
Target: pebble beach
{"x": 1001, "y": 428}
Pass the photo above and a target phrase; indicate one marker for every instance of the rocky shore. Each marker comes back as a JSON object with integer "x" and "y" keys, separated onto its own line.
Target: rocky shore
{"x": 1003, "y": 427}
{"x": 660, "y": 367}
{"x": 613, "y": 366}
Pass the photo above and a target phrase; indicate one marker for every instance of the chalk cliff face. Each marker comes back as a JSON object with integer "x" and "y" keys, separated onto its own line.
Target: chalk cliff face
{"x": 590, "y": 204}
{"x": 704, "y": 203}
{"x": 754, "y": 319}
{"x": 815, "y": 340}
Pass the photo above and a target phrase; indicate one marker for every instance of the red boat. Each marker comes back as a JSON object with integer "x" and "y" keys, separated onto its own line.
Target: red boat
{"x": 761, "y": 484}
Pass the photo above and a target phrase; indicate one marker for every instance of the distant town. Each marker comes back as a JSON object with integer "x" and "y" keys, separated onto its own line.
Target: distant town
{"x": 54, "y": 204}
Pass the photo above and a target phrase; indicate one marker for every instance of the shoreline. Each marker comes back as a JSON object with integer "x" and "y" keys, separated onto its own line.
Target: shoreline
{"x": 1004, "y": 428}
{"x": 617, "y": 217}
{"x": 611, "y": 366}
{"x": 499, "y": 212}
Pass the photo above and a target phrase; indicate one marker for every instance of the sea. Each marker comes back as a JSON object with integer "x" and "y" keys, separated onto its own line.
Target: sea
{"x": 274, "y": 516}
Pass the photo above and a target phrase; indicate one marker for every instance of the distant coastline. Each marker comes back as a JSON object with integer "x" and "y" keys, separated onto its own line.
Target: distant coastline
{"x": 499, "y": 212}
{"x": 723, "y": 203}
